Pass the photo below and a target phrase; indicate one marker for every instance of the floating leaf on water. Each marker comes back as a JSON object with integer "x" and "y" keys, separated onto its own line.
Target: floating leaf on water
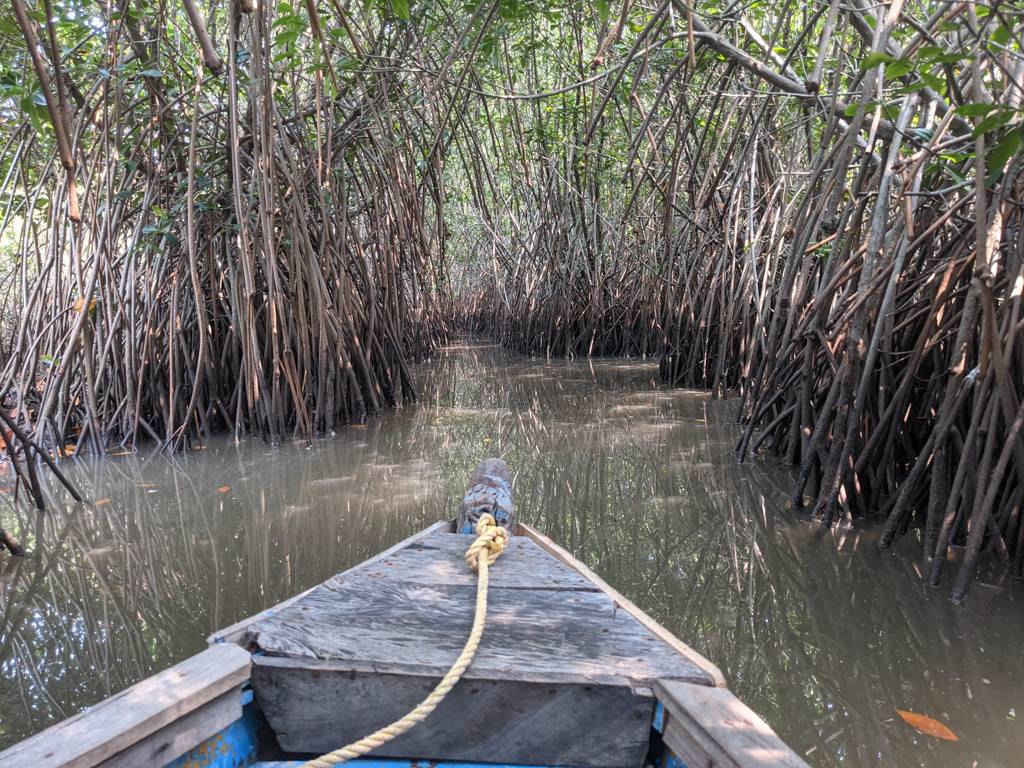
{"x": 147, "y": 485}
{"x": 927, "y": 725}
{"x": 69, "y": 449}
{"x": 224, "y": 489}
{"x": 120, "y": 453}
{"x": 101, "y": 502}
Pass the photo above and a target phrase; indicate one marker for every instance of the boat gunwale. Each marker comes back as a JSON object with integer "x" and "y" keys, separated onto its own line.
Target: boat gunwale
{"x": 659, "y": 631}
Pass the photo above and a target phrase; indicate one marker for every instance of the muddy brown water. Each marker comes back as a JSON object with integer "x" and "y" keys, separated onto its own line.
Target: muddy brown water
{"x": 825, "y": 635}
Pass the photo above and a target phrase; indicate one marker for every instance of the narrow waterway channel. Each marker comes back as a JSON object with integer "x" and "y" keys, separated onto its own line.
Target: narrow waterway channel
{"x": 823, "y": 634}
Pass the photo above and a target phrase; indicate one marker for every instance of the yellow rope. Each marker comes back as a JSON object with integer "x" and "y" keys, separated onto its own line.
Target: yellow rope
{"x": 489, "y": 543}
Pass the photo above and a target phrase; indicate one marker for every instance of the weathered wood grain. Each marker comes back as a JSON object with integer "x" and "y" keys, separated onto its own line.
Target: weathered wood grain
{"x": 400, "y": 625}
{"x": 711, "y": 728}
{"x": 117, "y": 723}
{"x": 182, "y": 735}
{"x": 714, "y": 674}
{"x": 438, "y": 559}
{"x": 236, "y": 632}
{"x": 496, "y": 720}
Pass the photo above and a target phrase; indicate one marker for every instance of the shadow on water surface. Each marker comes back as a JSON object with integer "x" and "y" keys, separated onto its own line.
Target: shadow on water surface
{"x": 822, "y": 633}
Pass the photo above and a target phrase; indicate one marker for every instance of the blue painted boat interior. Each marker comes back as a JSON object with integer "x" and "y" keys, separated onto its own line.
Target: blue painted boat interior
{"x": 236, "y": 746}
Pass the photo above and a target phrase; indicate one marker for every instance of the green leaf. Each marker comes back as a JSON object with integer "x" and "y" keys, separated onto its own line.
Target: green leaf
{"x": 155, "y": 73}
{"x": 898, "y": 68}
{"x": 292, "y": 21}
{"x": 996, "y": 120}
{"x": 401, "y": 9}
{"x": 286, "y": 37}
{"x": 1003, "y": 150}
{"x": 952, "y": 58}
{"x": 934, "y": 82}
{"x": 603, "y": 10}
{"x": 874, "y": 59}
{"x": 38, "y": 114}
{"x": 975, "y": 109}
{"x": 1001, "y": 35}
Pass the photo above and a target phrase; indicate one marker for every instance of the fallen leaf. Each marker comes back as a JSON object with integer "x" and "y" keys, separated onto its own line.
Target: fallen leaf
{"x": 148, "y": 485}
{"x": 928, "y": 725}
{"x": 357, "y": 426}
{"x": 101, "y": 502}
{"x": 69, "y": 450}
{"x": 120, "y": 453}
{"x": 224, "y": 489}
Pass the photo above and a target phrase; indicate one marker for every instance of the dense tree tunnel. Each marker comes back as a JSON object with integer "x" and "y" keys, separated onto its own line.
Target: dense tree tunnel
{"x": 253, "y": 217}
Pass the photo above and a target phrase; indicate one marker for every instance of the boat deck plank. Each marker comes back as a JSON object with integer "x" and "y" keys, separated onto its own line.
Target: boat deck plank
{"x": 438, "y": 559}
{"x": 557, "y": 653}
{"x": 397, "y": 619}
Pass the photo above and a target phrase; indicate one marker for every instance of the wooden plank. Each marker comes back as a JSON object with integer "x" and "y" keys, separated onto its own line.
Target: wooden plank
{"x": 314, "y": 709}
{"x": 235, "y": 633}
{"x": 117, "y": 723}
{"x": 438, "y": 559}
{"x": 711, "y": 728}
{"x": 714, "y": 674}
{"x": 420, "y": 629}
{"x": 181, "y": 735}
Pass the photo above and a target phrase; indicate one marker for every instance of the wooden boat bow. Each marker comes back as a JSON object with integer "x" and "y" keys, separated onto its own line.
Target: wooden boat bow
{"x": 569, "y": 672}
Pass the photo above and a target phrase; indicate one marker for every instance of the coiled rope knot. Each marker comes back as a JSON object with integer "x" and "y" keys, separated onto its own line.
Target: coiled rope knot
{"x": 490, "y": 542}
{"x": 490, "y": 537}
